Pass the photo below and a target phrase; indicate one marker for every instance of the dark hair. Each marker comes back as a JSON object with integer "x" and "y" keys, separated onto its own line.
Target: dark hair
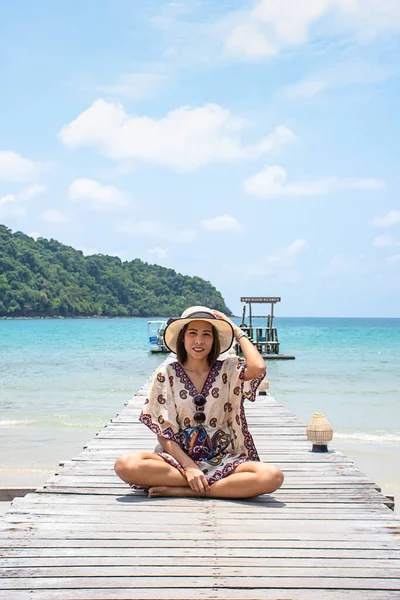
{"x": 181, "y": 350}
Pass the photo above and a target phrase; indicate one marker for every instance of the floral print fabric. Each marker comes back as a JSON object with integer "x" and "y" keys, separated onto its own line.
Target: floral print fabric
{"x": 223, "y": 441}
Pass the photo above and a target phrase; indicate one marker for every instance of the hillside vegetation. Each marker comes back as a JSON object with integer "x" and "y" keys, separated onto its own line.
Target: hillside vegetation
{"x": 47, "y": 278}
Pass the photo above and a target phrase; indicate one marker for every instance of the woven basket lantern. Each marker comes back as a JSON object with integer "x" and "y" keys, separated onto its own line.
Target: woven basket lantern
{"x": 319, "y": 432}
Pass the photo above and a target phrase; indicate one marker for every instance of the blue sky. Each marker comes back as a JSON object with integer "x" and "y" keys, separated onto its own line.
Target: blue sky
{"x": 255, "y": 144}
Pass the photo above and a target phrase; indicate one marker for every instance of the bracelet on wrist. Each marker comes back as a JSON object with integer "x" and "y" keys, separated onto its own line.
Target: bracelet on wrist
{"x": 240, "y": 335}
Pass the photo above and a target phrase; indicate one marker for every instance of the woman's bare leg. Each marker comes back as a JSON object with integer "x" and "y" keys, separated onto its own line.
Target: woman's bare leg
{"x": 148, "y": 470}
{"x": 249, "y": 479}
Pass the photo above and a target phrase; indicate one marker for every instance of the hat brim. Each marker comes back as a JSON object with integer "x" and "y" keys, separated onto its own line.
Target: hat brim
{"x": 224, "y": 329}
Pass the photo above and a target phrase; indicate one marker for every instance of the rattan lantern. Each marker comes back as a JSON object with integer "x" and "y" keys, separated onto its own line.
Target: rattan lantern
{"x": 319, "y": 432}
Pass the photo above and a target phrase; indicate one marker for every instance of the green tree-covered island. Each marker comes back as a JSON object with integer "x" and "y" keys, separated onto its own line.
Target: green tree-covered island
{"x": 45, "y": 278}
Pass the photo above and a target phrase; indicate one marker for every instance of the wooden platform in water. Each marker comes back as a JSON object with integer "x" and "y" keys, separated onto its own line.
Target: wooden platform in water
{"x": 326, "y": 534}
{"x": 277, "y": 356}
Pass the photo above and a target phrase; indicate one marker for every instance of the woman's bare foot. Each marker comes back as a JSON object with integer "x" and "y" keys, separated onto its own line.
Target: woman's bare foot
{"x": 178, "y": 492}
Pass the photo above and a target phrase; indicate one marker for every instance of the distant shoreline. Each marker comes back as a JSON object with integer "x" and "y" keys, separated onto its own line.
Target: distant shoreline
{"x": 59, "y": 317}
{"x": 77, "y": 317}
{"x": 55, "y": 317}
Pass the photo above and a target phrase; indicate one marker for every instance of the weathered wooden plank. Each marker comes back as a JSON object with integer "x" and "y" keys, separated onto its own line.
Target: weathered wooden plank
{"x": 145, "y": 504}
{"x": 307, "y": 530}
{"x": 291, "y": 481}
{"x": 289, "y": 500}
{"x": 284, "y": 457}
{"x": 141, "y": 502}
{"x": 288, "y": 449}
{"x": 296, "y": 466}
{"x": 293, "y": 469}
{"x": 20, "y": 541}
{"x": 213, "y": 569}
{"x": 326, "y": 474}
{"x": 273, "y": 442}
{"x": 207, "y": 519}
{"x": 126, "y": 515}
{"x": 72, "y": 540}
{"x": 175, "y": 521}
{"x": 141, "y": 555}
{"x": 55, "y": 566}
{"x": 267, "y": 431}
{"x": 306, "y": 511}
{"x": 132, "y": 419}
{"x": 202, "y": 582}
{"x": 285, "y": 495}
{"x": 264, "y": 410}
{"x": 281, "y": 458}
{"x": 293, "y": 474}
{"x": 188, "y": 594}
{"x": 96, "y": 516}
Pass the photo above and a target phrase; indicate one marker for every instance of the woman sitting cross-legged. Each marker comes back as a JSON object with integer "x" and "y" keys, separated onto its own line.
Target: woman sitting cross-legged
{"x": 195, "y": 406}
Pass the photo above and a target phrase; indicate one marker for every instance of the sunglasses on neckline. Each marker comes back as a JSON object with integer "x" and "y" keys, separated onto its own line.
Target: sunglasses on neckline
{"x": 200, "y": 402}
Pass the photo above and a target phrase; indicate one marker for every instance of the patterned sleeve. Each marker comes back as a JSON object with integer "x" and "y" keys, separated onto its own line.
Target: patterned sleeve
{"x": 159, "y": 411}
{"x": 239, "y": 387}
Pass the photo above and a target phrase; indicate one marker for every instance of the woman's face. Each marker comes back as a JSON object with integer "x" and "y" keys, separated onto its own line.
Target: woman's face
{"x": 198, "y": 339}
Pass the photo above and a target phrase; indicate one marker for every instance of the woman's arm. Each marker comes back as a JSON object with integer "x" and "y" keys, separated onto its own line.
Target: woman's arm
{"x": 194, "y": 475}
{"x": 255, "y": 365}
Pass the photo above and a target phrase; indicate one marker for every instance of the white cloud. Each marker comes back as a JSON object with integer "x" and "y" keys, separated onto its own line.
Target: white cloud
{"x": 307, "y": 88}
{"x": 133, "y": 85}
{"x": 7, "y": 199}
{"x": 99, "y": 196}
{"x": 385, "y": 240}
{"x": 12, "y": 205}
{"x": 183, "y": 237}
{"x": 343, "y": 73}
{"x": 281, "y": 263}
{"x": 246, "y": 40}
{"x": 185, "y": 139}
{"x": 295, "y": 248}
{"x": 158, "y": 230}
{"x": 142, "y": 228}
{"x": 370, "y": 18}
{"x": 393, "y": 260}
{"x": 388, "y": 220}
{"x": 53, "y": 215}
{"x": 272, "y": 182}
{"x": 340, "y": 265}
{"x": 274, "y": 25}
{"x": 361, "y": 184}
{"x": 271, "y": 26}
{"x": 32, "y": 191}
{"x": 158, "y": 253}
{"x": 222, "y": 223}
{"x": 13, "y": 167}
{"x": 9, "y": 207}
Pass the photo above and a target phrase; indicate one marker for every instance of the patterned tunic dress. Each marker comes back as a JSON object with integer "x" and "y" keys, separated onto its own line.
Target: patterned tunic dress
{"x": 223, "y": 441}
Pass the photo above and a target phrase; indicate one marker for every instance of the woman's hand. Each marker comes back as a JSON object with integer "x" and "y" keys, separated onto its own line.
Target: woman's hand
{"x": 221, "y": 315}
{"x": 197, "y": 480}
{"x": 255, "y": 365}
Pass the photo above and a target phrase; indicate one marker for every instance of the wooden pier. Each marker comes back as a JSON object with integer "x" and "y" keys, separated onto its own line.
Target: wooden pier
{"x": 264, "y": 338}
{"x": 328, "y": 533}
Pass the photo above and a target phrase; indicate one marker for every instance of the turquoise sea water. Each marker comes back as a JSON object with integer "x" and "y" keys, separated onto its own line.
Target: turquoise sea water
{"x": 61, "y": 380}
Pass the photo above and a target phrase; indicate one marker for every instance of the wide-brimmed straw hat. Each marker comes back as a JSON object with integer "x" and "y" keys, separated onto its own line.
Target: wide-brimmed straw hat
{"x": 198, "y": 313}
